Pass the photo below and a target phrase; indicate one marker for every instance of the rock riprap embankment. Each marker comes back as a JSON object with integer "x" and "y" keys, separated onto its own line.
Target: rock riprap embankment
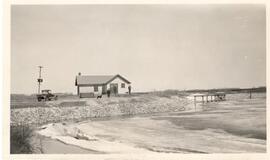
{"x": 97, "y": 108}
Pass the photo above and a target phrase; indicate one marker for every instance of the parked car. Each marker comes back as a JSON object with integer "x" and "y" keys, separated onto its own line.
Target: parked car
{"x": 46, "y": 95}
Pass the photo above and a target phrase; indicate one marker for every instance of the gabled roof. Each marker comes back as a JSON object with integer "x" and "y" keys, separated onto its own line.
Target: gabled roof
{"x": 97, "y": 79}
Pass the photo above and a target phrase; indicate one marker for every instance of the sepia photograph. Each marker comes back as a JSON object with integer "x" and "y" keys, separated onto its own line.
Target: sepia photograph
{"x": 105, "y": 79}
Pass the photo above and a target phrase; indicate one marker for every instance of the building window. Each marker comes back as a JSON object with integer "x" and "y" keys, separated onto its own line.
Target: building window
{"x": 123, "y": 85}
{"x": 95, "y": 88}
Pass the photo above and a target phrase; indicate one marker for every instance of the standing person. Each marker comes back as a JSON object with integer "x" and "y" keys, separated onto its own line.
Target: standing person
{"x": 108, "y": 93}
{"x": 129, "y": 89}
{"x": 115, "y": 90}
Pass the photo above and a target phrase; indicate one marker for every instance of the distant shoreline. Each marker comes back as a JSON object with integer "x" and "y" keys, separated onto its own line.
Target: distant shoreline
{"x": 227, "y": 90}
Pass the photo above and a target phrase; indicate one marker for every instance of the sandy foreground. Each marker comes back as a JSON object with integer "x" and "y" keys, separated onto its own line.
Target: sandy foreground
{"x": 233, "y": 126}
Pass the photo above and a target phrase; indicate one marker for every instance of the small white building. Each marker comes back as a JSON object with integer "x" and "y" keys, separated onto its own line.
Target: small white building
{"x": 91, "y": 85}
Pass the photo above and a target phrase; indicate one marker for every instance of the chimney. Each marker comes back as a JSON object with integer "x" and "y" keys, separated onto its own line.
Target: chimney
{"x": 79, "y": 73}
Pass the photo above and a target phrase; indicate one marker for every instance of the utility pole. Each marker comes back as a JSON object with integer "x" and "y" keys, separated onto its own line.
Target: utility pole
{"x": 40, "y": 80}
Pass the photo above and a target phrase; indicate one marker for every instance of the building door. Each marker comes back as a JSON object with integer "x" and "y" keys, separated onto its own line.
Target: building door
{"x": 104, "y": 89}
{"x": 114, "y": 88}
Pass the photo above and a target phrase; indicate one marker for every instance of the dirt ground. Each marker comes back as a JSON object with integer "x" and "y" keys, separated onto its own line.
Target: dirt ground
{"x": 237, "y": 125}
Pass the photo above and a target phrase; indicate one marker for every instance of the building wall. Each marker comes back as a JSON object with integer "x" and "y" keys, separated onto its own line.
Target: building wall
{"x": 119, "y": 81}
{"x": 90, "y": 89}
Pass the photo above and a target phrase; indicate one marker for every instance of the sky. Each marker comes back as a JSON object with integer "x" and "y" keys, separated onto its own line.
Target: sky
{"x": 156, "y": 47}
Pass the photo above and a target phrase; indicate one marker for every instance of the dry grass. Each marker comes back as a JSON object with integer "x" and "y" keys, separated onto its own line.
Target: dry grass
{"x": 29, "y": 101}
{"x": 25, "y": 101}
{"x": 28, "y": 104}
{"x": 72, "y": 104}
{"x": 20, "y": 137}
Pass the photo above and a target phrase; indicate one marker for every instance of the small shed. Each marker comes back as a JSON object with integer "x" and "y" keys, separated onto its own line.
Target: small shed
{"x": 90, "y": 85}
